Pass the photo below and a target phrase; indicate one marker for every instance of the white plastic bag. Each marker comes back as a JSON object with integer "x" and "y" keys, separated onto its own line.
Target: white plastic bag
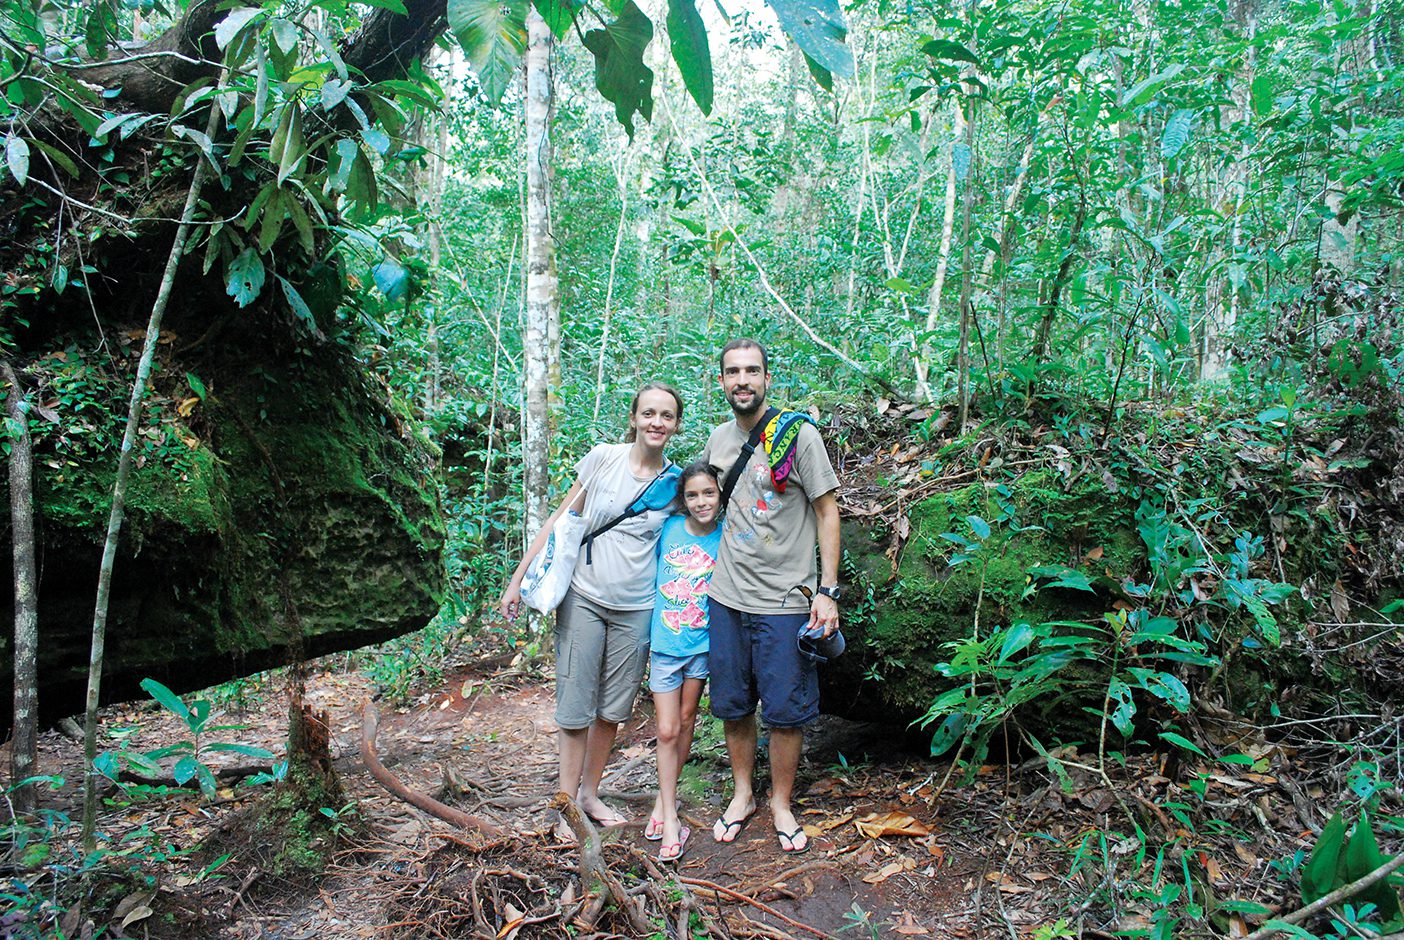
{"x": 548, "y": 576}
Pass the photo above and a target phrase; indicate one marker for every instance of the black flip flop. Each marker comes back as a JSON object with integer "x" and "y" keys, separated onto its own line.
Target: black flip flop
{"x": 727, "y": 826}
{"x": 790, "y": 837}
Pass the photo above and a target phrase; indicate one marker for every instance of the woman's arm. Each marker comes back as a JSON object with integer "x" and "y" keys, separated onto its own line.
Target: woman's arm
{"x": 510, "y": 603}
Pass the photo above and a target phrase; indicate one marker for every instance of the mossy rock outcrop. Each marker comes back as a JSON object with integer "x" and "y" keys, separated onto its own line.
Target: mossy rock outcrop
{"x": 285, "y": 512}
{"x": 899, "y": 617}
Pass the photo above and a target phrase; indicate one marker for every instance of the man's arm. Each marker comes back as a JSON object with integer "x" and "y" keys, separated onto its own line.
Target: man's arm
{"x": 824, "y": 611}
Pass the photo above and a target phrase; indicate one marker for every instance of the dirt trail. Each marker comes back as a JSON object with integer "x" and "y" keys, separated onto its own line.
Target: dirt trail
{"x": 987, "y": 859}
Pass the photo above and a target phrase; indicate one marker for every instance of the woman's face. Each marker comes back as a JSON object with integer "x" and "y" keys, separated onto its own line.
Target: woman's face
{"x": 655, "y": 418}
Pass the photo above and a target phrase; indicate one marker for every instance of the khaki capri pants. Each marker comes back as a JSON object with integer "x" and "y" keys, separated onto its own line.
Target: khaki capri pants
{"x": 600, "y": 659}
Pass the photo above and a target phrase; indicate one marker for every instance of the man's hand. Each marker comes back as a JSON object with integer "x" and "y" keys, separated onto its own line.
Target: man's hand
{"x": 823, "y": 614}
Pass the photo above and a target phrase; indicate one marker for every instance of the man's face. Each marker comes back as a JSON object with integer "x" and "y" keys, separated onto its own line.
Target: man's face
{"x": 744, "y": 380}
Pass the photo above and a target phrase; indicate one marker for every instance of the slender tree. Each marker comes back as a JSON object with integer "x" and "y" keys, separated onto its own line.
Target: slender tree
{"x": 119, "y": 486}
{"x": 23, "y": 750}
{"x": 542, "y": 289}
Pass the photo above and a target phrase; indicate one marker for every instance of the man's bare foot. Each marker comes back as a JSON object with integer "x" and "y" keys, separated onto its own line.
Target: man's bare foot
{"x": 792, "y": 835}
{"x": 733, "y": 819}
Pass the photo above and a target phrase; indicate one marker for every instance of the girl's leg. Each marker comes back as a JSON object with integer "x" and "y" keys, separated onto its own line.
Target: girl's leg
{"x": 667, "y": 706}
{"x": 687, "y": 719}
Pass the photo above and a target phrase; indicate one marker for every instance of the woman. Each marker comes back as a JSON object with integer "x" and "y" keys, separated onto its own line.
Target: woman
{"x": 602, "y": 625}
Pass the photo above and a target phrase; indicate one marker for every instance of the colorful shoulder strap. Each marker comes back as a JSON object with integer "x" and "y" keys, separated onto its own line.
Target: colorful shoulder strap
{"x": 781, "y": 439}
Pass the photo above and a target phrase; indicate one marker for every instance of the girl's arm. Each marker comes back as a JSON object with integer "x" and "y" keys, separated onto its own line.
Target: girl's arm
{"x": 510, "y": 603}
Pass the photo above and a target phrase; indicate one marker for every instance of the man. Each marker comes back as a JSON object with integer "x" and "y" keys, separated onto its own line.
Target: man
{"x": 759, "y": 597}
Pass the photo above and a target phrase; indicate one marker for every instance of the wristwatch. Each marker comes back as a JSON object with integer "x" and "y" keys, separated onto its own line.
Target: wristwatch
{"x": 834, "y": 592}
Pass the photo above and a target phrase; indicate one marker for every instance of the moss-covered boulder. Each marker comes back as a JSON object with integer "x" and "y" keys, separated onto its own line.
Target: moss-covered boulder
{"x": 279, "y": 506}
{"x": 969, "y": 562}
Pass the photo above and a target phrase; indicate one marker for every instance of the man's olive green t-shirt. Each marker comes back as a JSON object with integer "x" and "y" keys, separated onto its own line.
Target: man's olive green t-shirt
{"x": 769, "y": 538}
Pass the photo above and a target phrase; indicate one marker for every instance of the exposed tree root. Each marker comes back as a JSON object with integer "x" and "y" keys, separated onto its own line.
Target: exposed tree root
{"x": 370, "y": 721}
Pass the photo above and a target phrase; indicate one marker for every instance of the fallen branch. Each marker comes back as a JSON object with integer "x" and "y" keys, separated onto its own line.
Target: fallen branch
{"x": 223, "y": 775}
{"x": 737, "y": 895}
{"x": 1320, "y": 904}
{"x": 370, "y": 721}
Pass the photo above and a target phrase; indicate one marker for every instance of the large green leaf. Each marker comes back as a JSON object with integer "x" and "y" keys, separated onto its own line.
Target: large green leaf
{"x": 493, "y": 36}
{"x": 949, "y": 49}
{"x": 245, "y": 277}
{"x": 558, "y": 14}
{"x": 1362, "y": 856}
{"x": 688, "y": 37}
{"x": 822, "y": 76}
{"x": 1142, "y": 91}
{"x": 168, "y": 699}
{"x": 17, "y": 158}
{"x": 1176, "y": 133}
{"x": 233, "y": 24}
{"x": 1319, "y": 875}
{"x": 1261, "y": 91}
{"x": 620, "y": 73}
{"x": 817, "y": 27}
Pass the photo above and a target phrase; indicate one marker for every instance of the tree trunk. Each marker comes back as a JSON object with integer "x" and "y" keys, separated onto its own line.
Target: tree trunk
{"x": 967, "y": 279}
{"x": 943, "y": 259}
{"x": 621, "y": 178}
{"x": 1218, "y": 332}
{"x": 542, "y": 296}
{"x": 1060, "y": 281}
{"x": 119, "y": 487}
{"x": 23, "y": 751}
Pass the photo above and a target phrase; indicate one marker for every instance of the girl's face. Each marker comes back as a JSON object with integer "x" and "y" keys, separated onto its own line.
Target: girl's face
{"x": 655, "y": 418}
{"x": 701, "y": 497}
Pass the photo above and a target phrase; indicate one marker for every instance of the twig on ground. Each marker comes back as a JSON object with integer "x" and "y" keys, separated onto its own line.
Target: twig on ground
{"x": 737, "y": 895}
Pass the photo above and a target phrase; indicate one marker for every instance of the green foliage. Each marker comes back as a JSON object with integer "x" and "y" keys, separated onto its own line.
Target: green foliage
{"x": 493, "y": 37}
{"x": 687, "y": 35}
{"x": 188, "y": 754}
{"x": 620, "y": 73}
{"x": 1337, "y": 860}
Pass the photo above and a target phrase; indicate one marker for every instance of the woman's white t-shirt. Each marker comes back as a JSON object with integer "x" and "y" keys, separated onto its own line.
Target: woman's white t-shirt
{"x": 623, "y": 562}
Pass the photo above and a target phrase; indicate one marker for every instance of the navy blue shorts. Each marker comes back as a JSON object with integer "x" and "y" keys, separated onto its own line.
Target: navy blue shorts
{"x": 755, "y": 657}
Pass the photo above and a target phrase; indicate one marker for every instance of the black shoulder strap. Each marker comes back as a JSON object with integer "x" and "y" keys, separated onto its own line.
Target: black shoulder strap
{"x": 632, "y": 510}
{"x": 747, "y": 450}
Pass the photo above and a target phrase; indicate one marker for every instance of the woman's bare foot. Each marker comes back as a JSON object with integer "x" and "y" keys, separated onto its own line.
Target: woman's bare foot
{"x": 600, "y": 812}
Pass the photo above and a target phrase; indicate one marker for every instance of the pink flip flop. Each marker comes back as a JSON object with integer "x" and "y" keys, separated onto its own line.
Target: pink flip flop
{"x": 672, "y": 851}
{"x": 653, "y": 832}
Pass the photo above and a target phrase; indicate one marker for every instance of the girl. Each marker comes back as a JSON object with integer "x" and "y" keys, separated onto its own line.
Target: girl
{"x": 687, "y": 552}
{"x": 602, "y": 625}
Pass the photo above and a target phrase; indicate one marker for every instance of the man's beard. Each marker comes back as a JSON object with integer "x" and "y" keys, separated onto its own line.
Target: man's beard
{"x": 756, "y": 404}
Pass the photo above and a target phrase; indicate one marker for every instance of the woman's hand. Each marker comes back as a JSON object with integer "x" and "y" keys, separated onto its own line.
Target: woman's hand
{"x": 510, "y": 603}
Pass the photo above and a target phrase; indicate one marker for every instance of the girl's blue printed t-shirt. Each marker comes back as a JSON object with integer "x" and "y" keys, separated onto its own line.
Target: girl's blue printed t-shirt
{"x": 685, "y": 566}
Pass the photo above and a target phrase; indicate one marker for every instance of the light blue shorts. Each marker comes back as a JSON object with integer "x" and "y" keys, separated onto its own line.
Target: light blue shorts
{"x": 666, "y": 673}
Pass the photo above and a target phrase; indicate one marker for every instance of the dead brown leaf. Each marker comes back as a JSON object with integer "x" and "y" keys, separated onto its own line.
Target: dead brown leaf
{"x": 877, "y": 825}
{"x": 908, "y": 927}
{"x": 883, "y": 873}
{"x": 1340, "y": 604}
